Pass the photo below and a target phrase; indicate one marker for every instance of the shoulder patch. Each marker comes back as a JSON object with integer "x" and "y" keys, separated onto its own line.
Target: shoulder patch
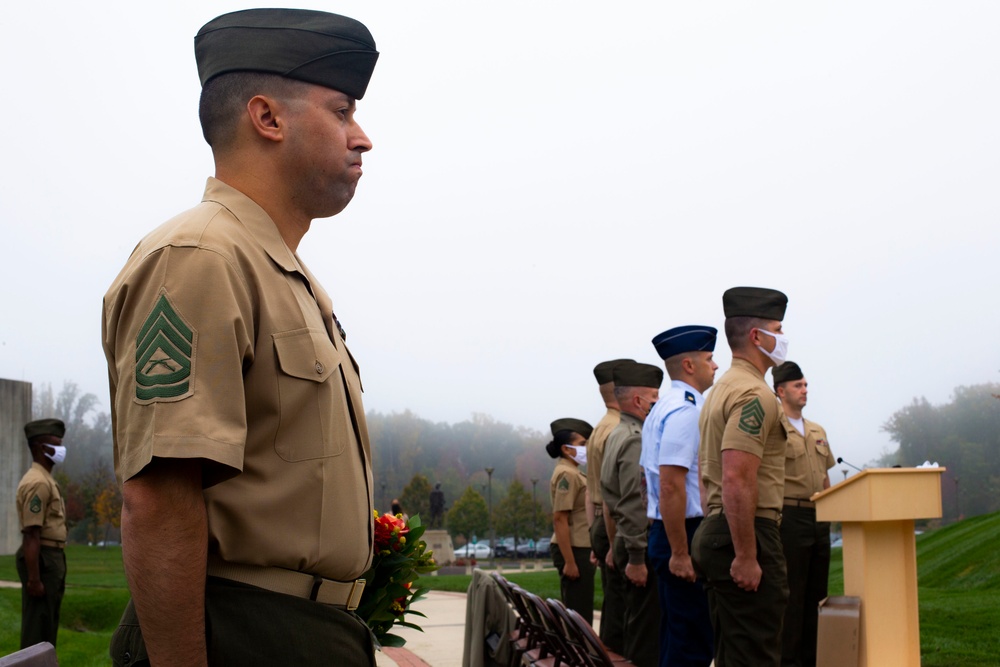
{"x": 164, "y": 354}
{"x": 689, "y": 397}
{"x": 752, "y": 417}
{"x": 35, "y": 505}
{"x": 563, "y": 484}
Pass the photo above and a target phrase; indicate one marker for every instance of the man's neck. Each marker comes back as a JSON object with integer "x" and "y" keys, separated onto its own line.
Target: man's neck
{"x": 268, "y": 197}
{"x": 791, "y": 412}
{"x": 755, "y": 359}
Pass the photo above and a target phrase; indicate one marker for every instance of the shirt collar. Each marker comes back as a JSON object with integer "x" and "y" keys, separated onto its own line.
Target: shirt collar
{"x": 681, "y": 384}
{"x": 255, "y": 220}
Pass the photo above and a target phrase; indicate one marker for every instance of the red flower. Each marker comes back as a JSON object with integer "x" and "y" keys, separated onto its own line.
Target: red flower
{"x": 390, "y": 533}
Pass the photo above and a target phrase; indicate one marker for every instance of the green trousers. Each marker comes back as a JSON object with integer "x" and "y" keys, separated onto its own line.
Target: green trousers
{"x": 747, "y": 625}
{"x": 577, "y": 594}
{"x": 251, "y": 627}
{"x": 642, "y": 612}
{"x": 613, "y": 586}
{"x": 40, "y": 616}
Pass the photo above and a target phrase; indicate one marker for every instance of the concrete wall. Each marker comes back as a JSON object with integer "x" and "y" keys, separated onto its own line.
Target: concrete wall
{"x": 15, "y": 412}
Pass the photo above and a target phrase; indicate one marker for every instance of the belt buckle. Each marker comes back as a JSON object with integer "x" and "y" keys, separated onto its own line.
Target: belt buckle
{"x": 354, "y": 598}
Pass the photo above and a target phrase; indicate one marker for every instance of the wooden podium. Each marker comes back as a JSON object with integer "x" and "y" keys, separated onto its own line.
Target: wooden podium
{"x": 877, "y": 508}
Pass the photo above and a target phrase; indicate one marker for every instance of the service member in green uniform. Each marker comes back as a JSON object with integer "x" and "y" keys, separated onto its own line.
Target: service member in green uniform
{"x": 737, "y": 548}
{"x": 805, "y": 541}
{"x": 240, "y": 435}
{"x": 612, "y": 581}
{"x": 41, "y": 559}
{"x": 568, "y": 492}
{"x": 623, "y": 485}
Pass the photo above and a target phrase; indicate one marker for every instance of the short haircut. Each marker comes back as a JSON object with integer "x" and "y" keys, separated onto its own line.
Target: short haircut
{"x": 738, "y": 328}
{"x": 674, "y": 364}
{"x": 225, "y": 97}
{"x": 623, "y": 394}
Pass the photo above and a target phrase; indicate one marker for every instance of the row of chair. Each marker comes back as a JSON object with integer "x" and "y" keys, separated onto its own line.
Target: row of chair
{"x": 548, "y": 634}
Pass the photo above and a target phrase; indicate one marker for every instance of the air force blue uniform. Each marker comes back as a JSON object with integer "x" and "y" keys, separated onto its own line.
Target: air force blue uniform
{"x": 670, "y": 437}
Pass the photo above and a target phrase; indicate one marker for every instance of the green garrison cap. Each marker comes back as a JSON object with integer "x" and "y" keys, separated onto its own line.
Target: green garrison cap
{"x": 786, "y": 372}
{"x": 570, "y": 424}
{"x": 767, "y": 304}
{"x": 45, "y": 427}
{"x": 604, "y": 371}
{"x": 638, "y": 375}
{"x": 312, "y": 46}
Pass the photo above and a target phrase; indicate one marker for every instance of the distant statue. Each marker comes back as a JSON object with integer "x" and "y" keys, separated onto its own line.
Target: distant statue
{"x": 397, "y": 510}
{"x": 437, "y": 507}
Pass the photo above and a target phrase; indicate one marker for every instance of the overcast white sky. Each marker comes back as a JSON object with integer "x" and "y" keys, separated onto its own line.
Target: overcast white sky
{"x": 552, "y": 184}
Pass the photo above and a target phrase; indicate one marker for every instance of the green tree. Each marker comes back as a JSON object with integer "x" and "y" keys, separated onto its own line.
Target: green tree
{"x": 515, "y": 514}
{"x": 468, "y": 516}
{"x": 416, "y": 498}
{"x": 963, "y": 436}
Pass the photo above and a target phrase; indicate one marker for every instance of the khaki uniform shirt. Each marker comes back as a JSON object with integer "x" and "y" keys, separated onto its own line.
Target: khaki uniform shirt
{"x": 595, "y": 453}
{"x": 568, "y": 491}
{"x": 741, "y": 412}
{"x": 623, "y": 483}
{"x": 39, "y": 503}
{"x": 221, "y": 345}
{"x": 807, "y": 458}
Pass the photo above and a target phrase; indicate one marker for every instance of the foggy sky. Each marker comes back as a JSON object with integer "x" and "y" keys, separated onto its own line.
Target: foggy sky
{"x": 552, "y": 185}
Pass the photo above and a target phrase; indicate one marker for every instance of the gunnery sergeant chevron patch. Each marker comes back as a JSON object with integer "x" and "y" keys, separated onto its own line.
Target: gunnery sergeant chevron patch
{"x": 164, "y": 354}
{"x": 752, "y": 417}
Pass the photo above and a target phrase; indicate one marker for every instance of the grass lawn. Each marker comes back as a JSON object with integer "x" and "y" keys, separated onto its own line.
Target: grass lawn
{"x": 959, "y": 569}
{"x": 95, "y": 598}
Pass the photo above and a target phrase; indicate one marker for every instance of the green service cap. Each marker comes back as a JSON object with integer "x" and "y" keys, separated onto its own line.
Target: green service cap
{"x": 786, "y": 372}
{"x": 39, "y": 427}
{"x": 767, "y": 304}
{"x": 638, "y": 375}
{"x": 570, "y": 424}
{"x": 604, "y": 371}
{"x": 312, "y": 46}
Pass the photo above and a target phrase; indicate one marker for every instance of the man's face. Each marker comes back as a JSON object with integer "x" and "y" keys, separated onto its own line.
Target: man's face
{"x": 704, "y": 370}
{"x": 325, "y": 144}
{"x": 794, "y": 393}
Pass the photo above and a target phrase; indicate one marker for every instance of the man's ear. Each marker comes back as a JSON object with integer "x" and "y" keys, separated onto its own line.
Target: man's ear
{"x": 687, "y": 365}
{"x": 263, "y": 114}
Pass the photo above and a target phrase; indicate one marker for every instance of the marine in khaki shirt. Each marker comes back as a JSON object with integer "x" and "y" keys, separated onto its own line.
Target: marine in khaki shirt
{"x": 240, "y": 436}
{"x": 741, "y": 457}
{"x": 41, "y": 511}
{"x": 570, "y": 546}
{"x": 805, "y": 541}
{"x": 612, "y": 584}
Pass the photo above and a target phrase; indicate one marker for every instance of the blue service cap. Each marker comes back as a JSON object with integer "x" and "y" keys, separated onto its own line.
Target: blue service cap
{"x": 689, "y": 338}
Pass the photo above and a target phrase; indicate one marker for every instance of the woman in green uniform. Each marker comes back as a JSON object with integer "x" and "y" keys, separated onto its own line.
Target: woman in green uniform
{"x": 571, "y": 541}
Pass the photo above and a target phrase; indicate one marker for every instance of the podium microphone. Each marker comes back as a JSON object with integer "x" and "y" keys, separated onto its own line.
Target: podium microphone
{"x": 841, "y": 460}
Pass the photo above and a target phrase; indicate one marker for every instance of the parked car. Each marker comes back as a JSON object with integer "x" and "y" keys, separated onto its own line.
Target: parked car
{"x": 479, "y": 551}
{"x": 504, "y": 547}
{"x": 542, "y": 548}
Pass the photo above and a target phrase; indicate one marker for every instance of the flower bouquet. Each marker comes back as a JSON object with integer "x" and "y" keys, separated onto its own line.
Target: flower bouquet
{"x": 400, "y": 558}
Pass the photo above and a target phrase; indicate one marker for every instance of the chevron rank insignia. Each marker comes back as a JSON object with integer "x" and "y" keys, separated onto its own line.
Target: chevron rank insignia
{"x": 164, "y": 354}
{"x": 35, "y": 505}
{"x": 689, "y": 397}
{"x": 563, "y": 485}
{"x": 752, "y": 417}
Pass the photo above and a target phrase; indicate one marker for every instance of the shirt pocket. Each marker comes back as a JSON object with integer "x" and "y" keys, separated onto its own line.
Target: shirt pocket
{"x": 314, "y": 421}
{"x": 796, "y": 447}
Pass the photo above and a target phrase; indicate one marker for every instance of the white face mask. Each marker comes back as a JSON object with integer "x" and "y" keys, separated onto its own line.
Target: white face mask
{"x": 58, "y": 456}
{"x": 780, "y": 353}
{"x": 580, "y": 455}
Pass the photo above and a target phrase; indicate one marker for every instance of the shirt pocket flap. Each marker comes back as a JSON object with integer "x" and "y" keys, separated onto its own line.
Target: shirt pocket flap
{"x": 307, "y": 354}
